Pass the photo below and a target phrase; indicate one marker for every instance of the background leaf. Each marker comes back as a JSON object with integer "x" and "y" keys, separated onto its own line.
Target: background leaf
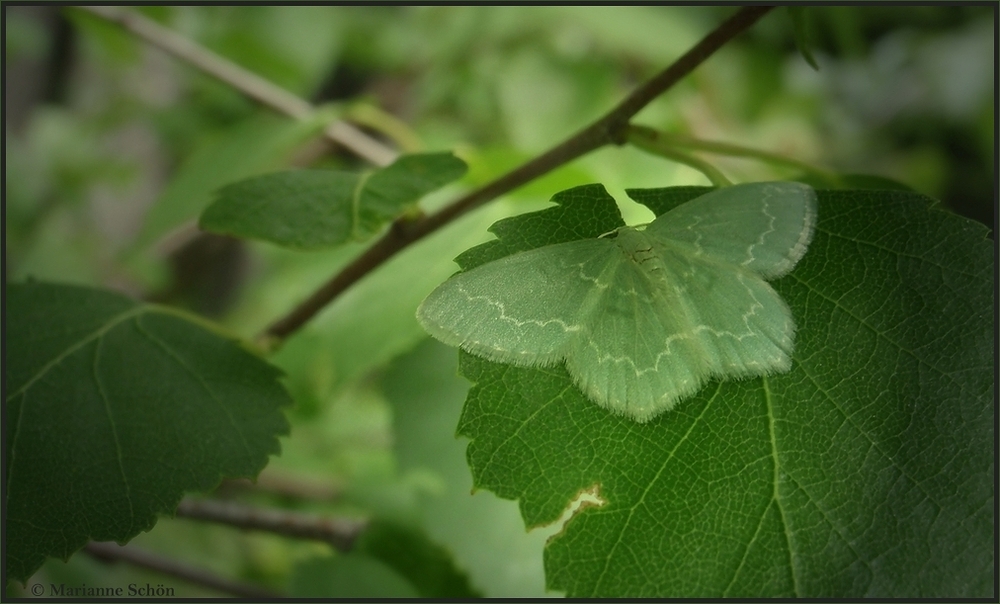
{"x": 350, "y": 576}
{"x": 155, "y": 404}
{"x": 389, "y": 560}
{"x": 800, "y": 27}
{"x": 865, "y": 471}
{"x": 312, "y": 209}
{"x": 485, "y": 533}
{"x": 427, "y": 565}
{"x": 246, "y": 149}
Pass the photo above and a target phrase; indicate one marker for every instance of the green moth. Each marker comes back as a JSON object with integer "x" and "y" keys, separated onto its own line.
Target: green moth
{"x": 643, "y": 316}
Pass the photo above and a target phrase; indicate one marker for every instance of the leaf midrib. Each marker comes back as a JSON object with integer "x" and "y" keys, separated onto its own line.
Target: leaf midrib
{"x": 113, "y": 322}
{"x": 98, "y": 333}
{"x": 639, "y": 501}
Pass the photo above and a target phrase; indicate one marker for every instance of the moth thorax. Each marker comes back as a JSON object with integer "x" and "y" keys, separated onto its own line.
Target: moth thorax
{"x": 637, "y": 246}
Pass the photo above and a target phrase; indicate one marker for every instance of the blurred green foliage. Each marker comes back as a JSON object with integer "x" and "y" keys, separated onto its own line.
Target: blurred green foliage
{"x": 100, "y": 127}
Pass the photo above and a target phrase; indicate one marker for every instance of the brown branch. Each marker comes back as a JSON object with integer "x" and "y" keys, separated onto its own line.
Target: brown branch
{"x": 609, "y": 129}
{"x": 282, "y": 485}
{"x": 247, "y": 82}
{"x": 111, "y": 552}
{"x": 338, "y": 532}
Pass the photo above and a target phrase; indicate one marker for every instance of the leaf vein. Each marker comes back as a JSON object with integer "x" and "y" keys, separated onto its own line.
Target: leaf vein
{"x": 114, "y": 427}
{"x": 198, "y": 379}
{"x": 97, "y": 333}
{"x": 641, "y": 499}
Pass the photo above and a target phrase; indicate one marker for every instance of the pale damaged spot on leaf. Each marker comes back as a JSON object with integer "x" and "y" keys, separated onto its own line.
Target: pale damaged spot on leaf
{"x": 585, "y": 498}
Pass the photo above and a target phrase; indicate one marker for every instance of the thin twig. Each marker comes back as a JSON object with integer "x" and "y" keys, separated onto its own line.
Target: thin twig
{"x": 283, "y": 485}
{"x": 733, "y": 150}
{"x": 649, "y": 140}
{"x": 609, "y": 129}
{"x": 111, "y": 552}
{"x": 338, "y": 532}
{"x": 247, "y": 82}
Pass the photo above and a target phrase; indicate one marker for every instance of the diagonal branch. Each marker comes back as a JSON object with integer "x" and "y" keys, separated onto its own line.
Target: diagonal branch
{"x": 338, "y": 532}
{"x": 111, "y": 552}
{"x": 609, "y": 129}
{"x": 247, "y": 82}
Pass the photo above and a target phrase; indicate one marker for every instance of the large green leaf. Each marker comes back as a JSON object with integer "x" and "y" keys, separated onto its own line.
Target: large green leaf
{"x": 312, "y": 209}
{"x": 113, "y": 410}
{"x": 867, "y": 470}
